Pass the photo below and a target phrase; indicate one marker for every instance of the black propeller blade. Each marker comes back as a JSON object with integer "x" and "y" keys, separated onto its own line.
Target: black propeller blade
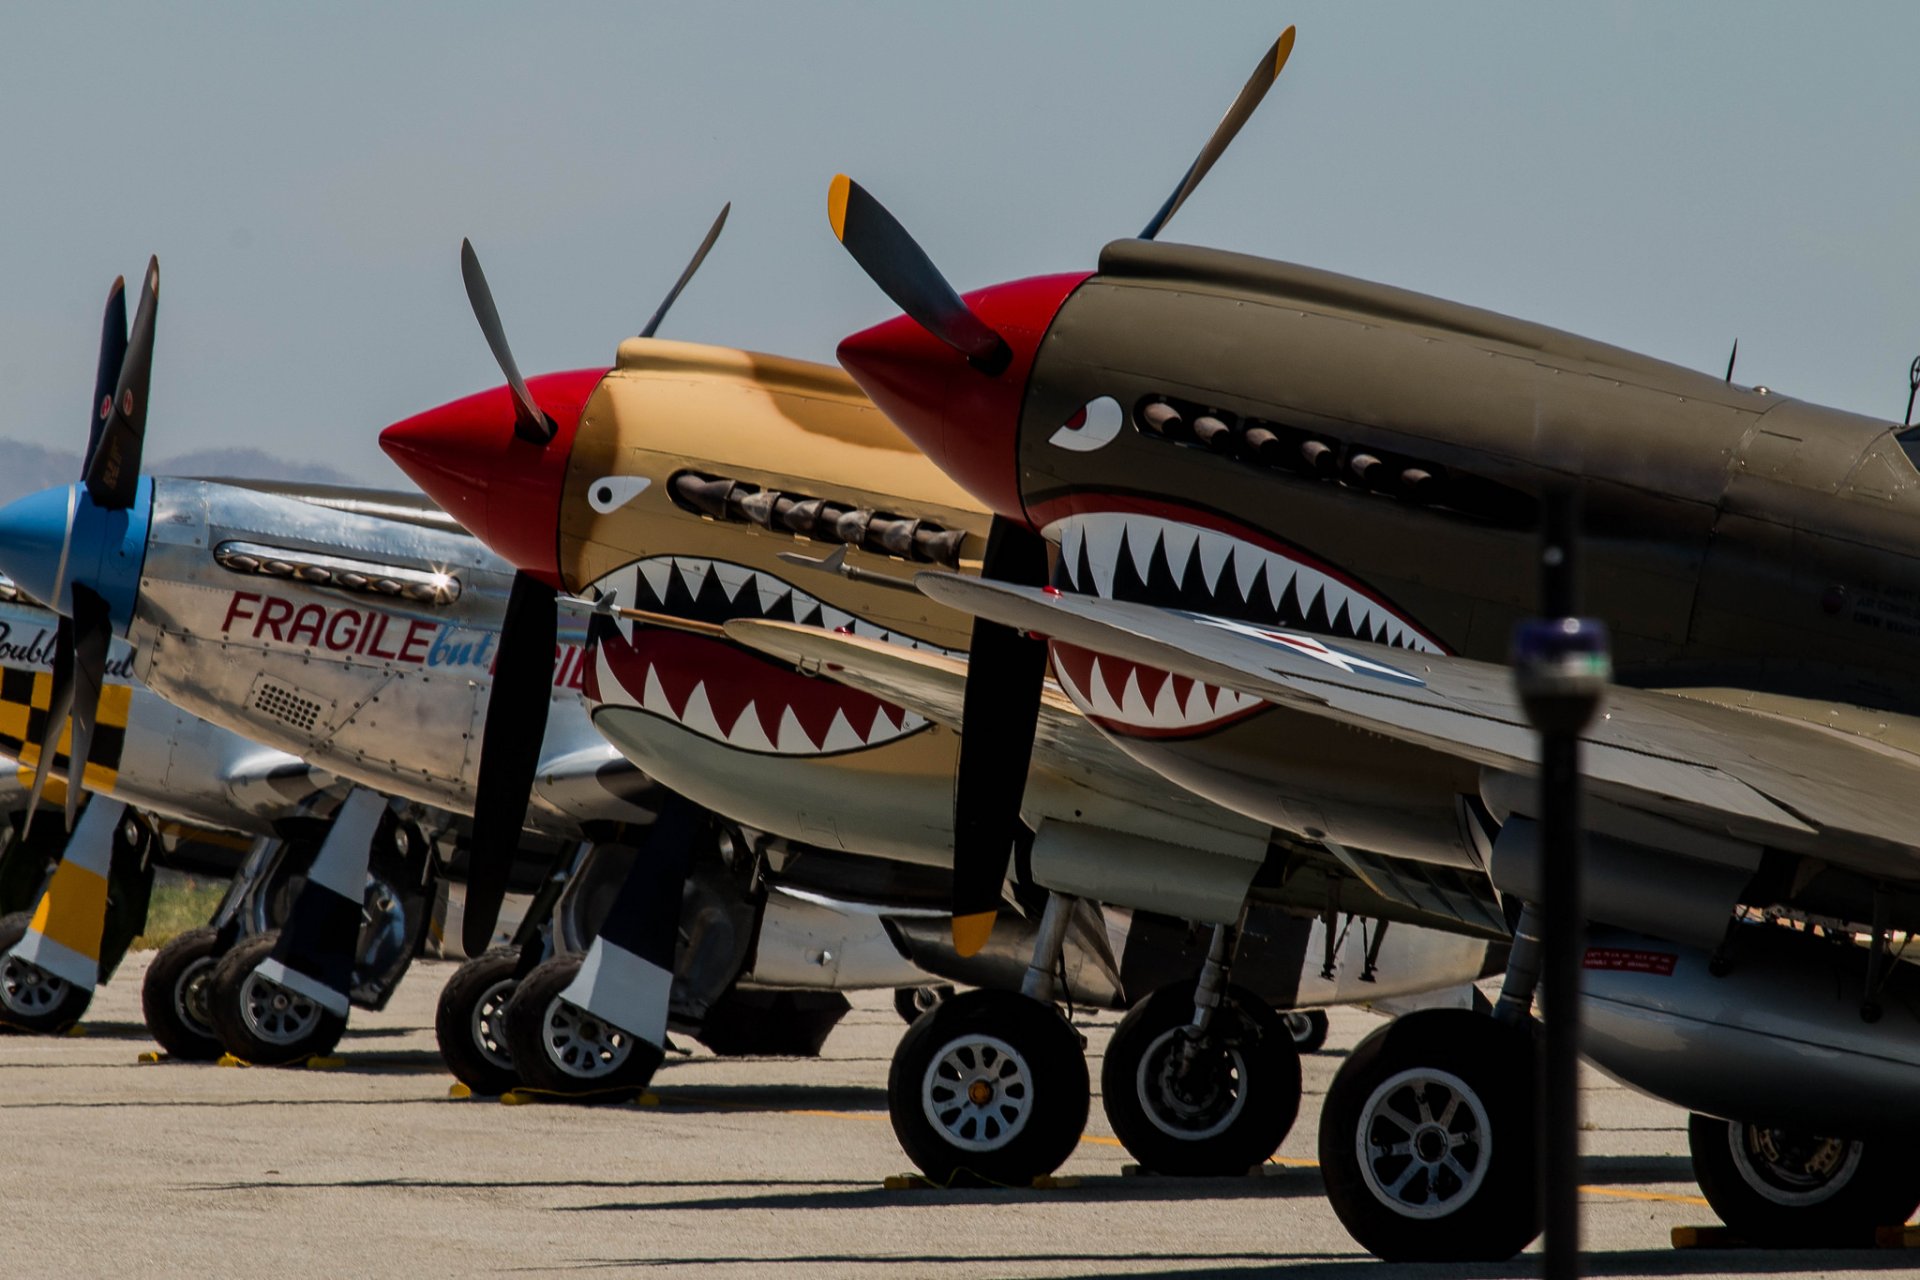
{"x": 529, "y": 422}
{"x": 113, "y": 460}
{"x": 1223, "y": 133}
{"x": 1000, "y": 713}
{"x": 59, "y": 701}
{"x": 510, "y": 750}
{"x": 92, "y": 636}
{"x": 906, "y": 275}
{"x": 113, "y": 354}
{"x": 699, "y": 256}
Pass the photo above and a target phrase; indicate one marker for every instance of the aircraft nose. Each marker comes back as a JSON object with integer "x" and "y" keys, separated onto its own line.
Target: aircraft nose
{"x": 966, "y": 421}
{"x": 504, "y": 489}
{"x": 34, "y": 534}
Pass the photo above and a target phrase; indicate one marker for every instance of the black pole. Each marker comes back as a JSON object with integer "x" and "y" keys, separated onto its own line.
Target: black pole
{"x": 1561, "y": 668}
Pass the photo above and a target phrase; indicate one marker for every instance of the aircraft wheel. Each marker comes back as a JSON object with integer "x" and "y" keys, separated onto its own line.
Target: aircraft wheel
{"x": 260, "y": 1021}
{"x": 989, "y": 1083}
{"x": 32, "y": 999}
{"x": 1308, "y": 1028}
{"x": 558, "y": 1047}
{"x": 173, "y": 996}
{"x": 1783, "y": 1189}
{"x": 471, "y": 1021}
{"x": 1427, "y": 1139}
{"x": 1212, "y": 1106}
{"x": 911, "y": 1002}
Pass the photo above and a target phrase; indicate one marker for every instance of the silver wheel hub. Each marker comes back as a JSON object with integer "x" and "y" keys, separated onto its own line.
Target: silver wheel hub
{"x": 274, "y": 1014}
{"x": 582, "y": 1045}
{"x": 1791, "y": 1169}
{"x": 489, "y": 1023}
{"x": 1424, "y": 1143}
{"x": 27, "y": 989}
{"x": 190, "y": 996}
{"x": 1191, "y": 1091}
{"x": 977, "y": 1093}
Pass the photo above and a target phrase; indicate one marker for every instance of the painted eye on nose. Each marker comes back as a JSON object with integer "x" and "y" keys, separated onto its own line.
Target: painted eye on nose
{"x": 610, "y": 493}
{"x": 1092, "y": 426}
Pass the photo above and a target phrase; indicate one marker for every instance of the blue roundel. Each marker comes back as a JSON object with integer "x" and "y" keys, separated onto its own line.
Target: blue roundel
{"x": 51, "y": 539}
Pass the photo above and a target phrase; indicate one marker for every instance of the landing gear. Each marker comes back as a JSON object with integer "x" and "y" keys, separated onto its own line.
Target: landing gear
{"x": 471, "y": 1022}
{"x": 1201, "y": 1100}
{"x": 1783, "y": 1189}
{"x": 1428, "y": 1140}
{"x": 259, "y": 1020}
{"x": 31, "y": 999}
{"x": 559, "y": 1048}
{"x": 173, "y": 996}
{"x": 991, "y": 1084}
{"x": 911, "y": 1002}
{"x": 1308, "y": 1027}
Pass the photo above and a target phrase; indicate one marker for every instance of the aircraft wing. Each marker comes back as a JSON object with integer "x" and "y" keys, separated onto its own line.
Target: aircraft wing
{"x": 1786, "y": 783}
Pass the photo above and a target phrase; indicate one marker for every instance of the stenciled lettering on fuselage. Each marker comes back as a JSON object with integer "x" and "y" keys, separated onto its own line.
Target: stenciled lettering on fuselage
{"x": 361, "y": 632}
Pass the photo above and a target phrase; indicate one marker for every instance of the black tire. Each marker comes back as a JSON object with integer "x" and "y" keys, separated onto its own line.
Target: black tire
{"x": 262, "y": 1022}
{"x": 173, "y": 996}
{"x": 911, "y": 1002}
{"x": 1232, "y": 1105}
{"x": 1029, "y": 1063}
{"x": 1308, "y": 1028}
{"x": 471, "y": 1022}
{"x": 1478, "y": 1075}
{"x": 1786, "y": 1190}
{"x": 31, "y": 999}
{"x": 560, "y": 1049}
{"x": 772, "y": 1024}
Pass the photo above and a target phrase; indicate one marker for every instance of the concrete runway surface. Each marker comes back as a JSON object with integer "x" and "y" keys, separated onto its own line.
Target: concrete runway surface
{"x": 747, "y": 1167}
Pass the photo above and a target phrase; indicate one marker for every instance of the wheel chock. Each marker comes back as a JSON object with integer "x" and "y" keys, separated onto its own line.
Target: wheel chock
{"x": 77, "y": 1029}
{"x": 524, "y": 1096}
{"x": 150, "y": 1057}
{"x": 458, "y": 1091}
{"x": 228, "y": 1060}
{"x": 1719, "y": 1237}
{"x": 1903, "y": 1237}
{"x": 319, "y": 1062}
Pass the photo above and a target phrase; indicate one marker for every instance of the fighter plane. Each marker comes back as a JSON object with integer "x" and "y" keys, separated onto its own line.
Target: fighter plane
{"x": 715, "y": 503}
{"x": 1291, "y": 507}
{"x": 360, "y": 632}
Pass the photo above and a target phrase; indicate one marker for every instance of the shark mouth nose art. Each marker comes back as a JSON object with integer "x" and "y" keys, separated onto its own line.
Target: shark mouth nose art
{"x": 717, "y": 689}
{"x": 1203, "y": 569}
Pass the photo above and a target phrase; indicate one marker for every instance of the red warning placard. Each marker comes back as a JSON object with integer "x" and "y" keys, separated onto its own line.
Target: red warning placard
{"x": 1629, "y": 960}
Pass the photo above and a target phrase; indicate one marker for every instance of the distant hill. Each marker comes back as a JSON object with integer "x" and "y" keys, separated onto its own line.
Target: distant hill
{"x": 26, "y": 468}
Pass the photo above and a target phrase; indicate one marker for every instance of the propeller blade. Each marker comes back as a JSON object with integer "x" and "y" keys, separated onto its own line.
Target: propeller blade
{"x": 113, "y": 354}
{"x": 510, "y": 751}
{"x": 113, "y": 464}
{"x": 529, "y": 422}
{"x": 1001, "y": 710}
{"x": 59, "y": 701}
{"x": 699, "y": 256}
{"x": 906, "y": 275}
{"x": 92, "y": 637}
{"x": 1237, "y": 115}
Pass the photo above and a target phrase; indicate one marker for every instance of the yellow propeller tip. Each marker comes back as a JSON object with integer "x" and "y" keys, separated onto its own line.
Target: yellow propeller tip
{"x": 970, "y": 933}
{"x": 1282, "y": 50}
{"x": 837, "y": 205}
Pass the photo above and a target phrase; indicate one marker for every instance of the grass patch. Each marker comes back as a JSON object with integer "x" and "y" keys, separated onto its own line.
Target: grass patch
{"x": 180, "y": 902}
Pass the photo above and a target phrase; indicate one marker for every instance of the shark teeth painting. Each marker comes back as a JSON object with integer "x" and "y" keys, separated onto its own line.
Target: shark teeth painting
{"x": 715, "y": 688}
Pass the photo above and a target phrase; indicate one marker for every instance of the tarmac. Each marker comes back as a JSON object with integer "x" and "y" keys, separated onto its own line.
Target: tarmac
{"x": 744, "y": 1167}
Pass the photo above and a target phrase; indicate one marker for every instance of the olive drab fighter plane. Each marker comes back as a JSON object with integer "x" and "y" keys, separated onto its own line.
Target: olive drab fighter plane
{"x": 712, "y": 501}
{"x": 1289, "y": 507}
{"x": 361, "y": 633}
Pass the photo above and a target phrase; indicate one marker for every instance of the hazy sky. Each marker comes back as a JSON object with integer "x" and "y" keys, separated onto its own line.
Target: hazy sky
{"x": 1661, "y": 176}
